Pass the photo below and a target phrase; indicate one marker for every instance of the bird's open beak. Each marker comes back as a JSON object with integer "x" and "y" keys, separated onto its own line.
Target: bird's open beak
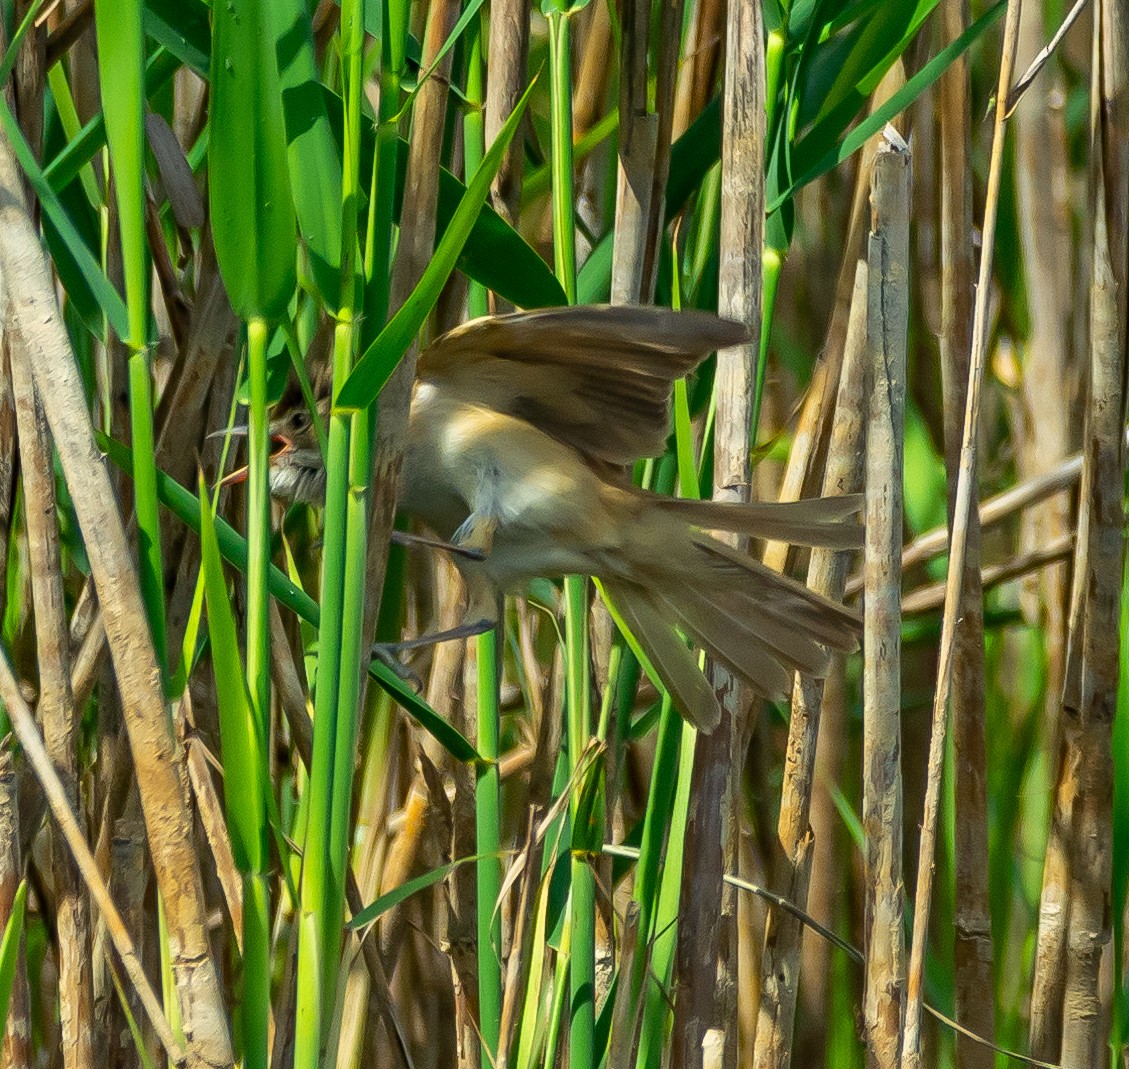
{"x": 280, "y": 443}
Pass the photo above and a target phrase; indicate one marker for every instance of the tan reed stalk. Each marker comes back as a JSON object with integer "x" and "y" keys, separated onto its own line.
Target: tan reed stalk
{"x": 814, "y": 423}
{"x": 56, "y": 710}
{"x": 972, "y": 939}
{"x": 24, "y": 725}
{"x": 887, "y": 321}
{"x": 827, "y": 575}
{"x": 961, "y": 511}
{"x": 32, "y": 312}
{"x": 16, "y": 1049}
{"x": 1047, "y": 433}
{"x": 706, "y": 969}
{"x": 1089, "y": 707}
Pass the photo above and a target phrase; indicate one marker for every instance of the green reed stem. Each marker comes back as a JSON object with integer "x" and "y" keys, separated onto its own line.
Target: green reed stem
{"x": 488, "y": 830}
{"x": 337, "y": 690}
{"x": 122, "y": 76}
{"x": 474, "y": 137}
{"x": 582, "y": 903}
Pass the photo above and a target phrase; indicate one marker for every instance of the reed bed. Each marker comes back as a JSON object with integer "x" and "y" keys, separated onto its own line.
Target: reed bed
{"x": 230, "y": 833}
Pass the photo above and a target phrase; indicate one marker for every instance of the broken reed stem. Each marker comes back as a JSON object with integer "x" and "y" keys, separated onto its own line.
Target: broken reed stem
{"x": 961, "y": 511}
{"x": 827, "y": 575}
{"x": 1089, "y": 709}
{"x": 887, "y": 322}
{"x": 932, "y": 597}
{"x": 23, "y": 723}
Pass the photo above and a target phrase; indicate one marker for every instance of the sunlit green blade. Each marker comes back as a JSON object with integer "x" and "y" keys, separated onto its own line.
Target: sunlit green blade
{"x": 248, "y": 186}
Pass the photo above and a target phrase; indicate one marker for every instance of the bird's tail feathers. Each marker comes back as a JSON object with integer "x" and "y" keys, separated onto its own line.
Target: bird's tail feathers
{"x": 761, "y": 625}
{"x": 822, "y": 521}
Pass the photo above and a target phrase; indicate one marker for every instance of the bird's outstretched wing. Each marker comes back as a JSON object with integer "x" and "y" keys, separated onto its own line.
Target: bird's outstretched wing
{"x": 597, "y": 378}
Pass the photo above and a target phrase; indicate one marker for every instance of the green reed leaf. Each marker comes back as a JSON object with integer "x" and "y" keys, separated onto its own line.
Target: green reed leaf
{"x": 248, "y": 185}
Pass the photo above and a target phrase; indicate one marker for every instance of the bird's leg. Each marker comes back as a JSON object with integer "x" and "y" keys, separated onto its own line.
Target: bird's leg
{"x": 388, "y": 653}
{"x": 412, "y": 540}
{"x": 464, "y": 630}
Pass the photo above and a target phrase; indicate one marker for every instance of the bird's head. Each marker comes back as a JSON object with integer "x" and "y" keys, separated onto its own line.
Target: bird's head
{"x": 297, "y": 468}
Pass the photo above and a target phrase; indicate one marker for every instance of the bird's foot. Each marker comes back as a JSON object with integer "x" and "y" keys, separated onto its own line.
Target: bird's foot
{"x": 476, "y": 532}
{"x": 381, "y": 652}
{"x": 388, "y": 653}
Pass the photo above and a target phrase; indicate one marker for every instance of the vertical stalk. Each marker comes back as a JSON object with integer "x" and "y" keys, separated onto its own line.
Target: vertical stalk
{"x": 887, "y": 321}
{"x": 343, "y": 591}
{"x": 582, "y": 903}
{"x": 474, "y": 145}
{"x": 972, "y": 940}
{"x": 1091, "y": 694}
{"x": 120, "y": 41}
{"x": 258, "y": 533}
{"x": 827, "y": 574}
{"x": 961, "y": 511}
{"x": 707, "y": 930}
{"x": 560, "y": 117}
{"x": 488, "y": 822}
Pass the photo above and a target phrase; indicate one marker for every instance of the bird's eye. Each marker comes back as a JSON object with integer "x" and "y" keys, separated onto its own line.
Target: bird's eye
{"x": 299, "y": 421}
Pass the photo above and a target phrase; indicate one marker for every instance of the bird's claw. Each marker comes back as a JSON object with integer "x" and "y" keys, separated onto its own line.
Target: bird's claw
{"x": 385, "y": 653}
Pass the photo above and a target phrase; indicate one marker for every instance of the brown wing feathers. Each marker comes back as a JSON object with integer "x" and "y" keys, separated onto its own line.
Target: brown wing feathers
{"x": 597, "y": 378}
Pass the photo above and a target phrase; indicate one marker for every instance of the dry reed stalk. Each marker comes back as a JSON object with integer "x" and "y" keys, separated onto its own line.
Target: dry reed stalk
{"x": 416, "y": 243}
{"x": 972, "y": 939}
{"x": 7, "y": 449}
{"x": 931, "y": 598}
{"x": 1046, "y": 435}
{"x": 56, "y": 710}
{"x": 887, "y": 321}
{"x": 23, "y": 723}
{"x": 507, "y": 60}
{"x": 706, "y": 968}
{"x": 29, "y": 77}
{"x": 814, "y": 423}
{"x": 33, "y": 314}
{"x": 1089, "y": 708}
{"x": 994, "y": 510}
{"x": 959, "y": 555}
{"x": 1047, "y": 242}
{"x": 644, "y": 147}
{"x": 827, "y": 575}
{"x": 15, "y": 1051}
{"x": 697, "y": 79}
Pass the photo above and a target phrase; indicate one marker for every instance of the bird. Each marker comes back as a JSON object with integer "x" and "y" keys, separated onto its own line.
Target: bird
{"x": 522, "y": 431}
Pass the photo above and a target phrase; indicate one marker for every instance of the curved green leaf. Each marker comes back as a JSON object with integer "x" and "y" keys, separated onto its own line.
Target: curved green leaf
{"x": 315, "y": 165}
{"x": 248, "y": 187}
